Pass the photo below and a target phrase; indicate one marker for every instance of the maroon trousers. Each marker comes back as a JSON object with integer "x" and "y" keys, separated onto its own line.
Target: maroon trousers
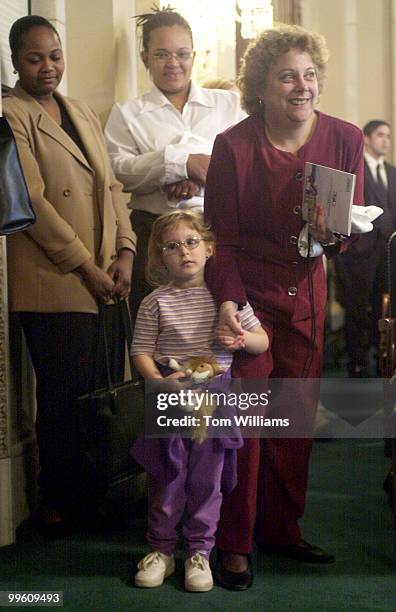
{"x": 273, "y": 473}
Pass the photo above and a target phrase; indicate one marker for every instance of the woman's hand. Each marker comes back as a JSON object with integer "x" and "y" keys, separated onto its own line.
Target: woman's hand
{"x": 229, "y": 329}
{"x": 120, "y": 272}
{"x": 231, "y": 340}
{"x": 317, "y": 225}
{"x": 228, "y": 316}
{"x": 182, "y": 190}
{"x": 98, "y": 283}
{"x": 197, "y": 167}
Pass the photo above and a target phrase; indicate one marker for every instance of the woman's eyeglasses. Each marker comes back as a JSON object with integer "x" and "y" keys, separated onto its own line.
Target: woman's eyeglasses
{"x": 189, "y": 243}
{"x": 165, "y": 56}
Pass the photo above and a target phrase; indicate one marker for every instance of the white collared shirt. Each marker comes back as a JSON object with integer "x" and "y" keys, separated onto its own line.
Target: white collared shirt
{"x": 373, "y": 164}
{"x": 149, "y": 141}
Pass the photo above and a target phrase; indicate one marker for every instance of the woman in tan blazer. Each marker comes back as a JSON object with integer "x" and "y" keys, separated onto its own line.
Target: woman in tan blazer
{"x": 78, "y": 254}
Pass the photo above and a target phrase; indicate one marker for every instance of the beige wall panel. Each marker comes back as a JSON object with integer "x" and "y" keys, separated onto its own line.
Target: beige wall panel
{"x": 101, "y": 56}
{"x": 328, "y": 19}
{"x": 392, "y": 76}
{"x": 359, "y": 85}
{"x": 90, "y": 53}
{"x": 374, "y": 54}
{"x": 54, "y": 10}
{"x": 126, "y": 58}
{"x": 143, "y": 79}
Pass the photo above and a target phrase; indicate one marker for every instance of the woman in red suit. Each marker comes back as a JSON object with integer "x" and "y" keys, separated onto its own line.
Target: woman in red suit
{"x": 253, "y": 199}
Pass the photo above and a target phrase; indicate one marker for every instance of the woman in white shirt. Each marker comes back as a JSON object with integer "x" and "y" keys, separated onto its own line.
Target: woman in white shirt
{"x": 160, "y": 144}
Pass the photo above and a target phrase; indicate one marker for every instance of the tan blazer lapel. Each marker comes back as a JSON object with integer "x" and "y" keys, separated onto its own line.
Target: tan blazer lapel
{"x": 91, "y": 139}
{"x": 47, "y": 125}
{"x": 84, "y": 130}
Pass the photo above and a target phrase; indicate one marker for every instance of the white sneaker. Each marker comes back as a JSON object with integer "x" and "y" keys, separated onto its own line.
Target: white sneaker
{"x": 198, "y": 577}
{"x": 153, "y": 569}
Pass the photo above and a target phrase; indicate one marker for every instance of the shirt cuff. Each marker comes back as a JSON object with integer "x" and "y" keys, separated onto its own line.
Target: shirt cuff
{"x": 175, "y": 158}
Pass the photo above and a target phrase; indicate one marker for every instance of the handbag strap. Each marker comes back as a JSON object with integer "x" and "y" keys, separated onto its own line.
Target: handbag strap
{"x": 102, "y": 330}
{"x": 128, "y": 332}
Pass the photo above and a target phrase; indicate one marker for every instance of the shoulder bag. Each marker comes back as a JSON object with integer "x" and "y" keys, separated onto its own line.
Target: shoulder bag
{"x": 16, "y": 212}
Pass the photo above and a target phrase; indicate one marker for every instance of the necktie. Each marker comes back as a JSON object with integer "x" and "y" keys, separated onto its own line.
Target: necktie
{"x": 380, "y": 182}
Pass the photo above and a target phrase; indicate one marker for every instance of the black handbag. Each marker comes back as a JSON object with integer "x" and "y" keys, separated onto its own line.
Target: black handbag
{"x": 16, "y": 212}
{"x": 109, "y": 421}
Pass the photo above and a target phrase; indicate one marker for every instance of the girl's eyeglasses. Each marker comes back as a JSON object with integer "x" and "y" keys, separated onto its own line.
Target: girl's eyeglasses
{"x": 173, "y": 246}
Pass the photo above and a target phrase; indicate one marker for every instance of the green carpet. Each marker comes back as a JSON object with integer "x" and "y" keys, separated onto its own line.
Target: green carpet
{"x": 346, "y": 513}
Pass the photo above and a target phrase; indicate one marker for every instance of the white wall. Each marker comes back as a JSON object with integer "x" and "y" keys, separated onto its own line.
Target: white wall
{"x": 10, "y": 11}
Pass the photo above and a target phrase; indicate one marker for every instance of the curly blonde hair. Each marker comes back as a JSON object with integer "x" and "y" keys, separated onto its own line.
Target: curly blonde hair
{"x": 265, "y": 50}
{"x": 156, "y": 272}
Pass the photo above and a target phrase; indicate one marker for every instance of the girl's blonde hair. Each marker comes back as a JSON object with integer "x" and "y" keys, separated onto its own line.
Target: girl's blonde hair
{"x": 156, "y": 272}
{"x": 265, "y": 51}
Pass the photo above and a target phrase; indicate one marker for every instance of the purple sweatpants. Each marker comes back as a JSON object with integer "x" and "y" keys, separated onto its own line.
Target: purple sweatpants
{"x": 196, "y": 490}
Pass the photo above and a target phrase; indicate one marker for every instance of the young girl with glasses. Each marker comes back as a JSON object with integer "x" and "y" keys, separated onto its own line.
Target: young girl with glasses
{"x": 179, "y": 320}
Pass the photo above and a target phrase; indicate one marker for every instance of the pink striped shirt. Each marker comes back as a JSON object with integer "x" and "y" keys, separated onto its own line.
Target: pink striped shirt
{"x": 181, "y": 323}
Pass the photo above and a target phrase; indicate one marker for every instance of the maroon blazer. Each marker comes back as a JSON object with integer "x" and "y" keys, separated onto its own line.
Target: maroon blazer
{"x": 253, "y": 198}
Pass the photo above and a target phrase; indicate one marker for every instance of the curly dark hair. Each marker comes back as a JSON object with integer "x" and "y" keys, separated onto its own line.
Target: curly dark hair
{"x": 265, "y": 50}
{"x": 158, "y": 18}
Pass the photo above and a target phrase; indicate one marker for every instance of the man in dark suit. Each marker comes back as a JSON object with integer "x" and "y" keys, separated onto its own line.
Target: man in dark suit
{"x": 363, "y": 265}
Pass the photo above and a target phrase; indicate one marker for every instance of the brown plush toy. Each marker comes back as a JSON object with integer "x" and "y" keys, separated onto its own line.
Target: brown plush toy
{"x": 200, "y": 369}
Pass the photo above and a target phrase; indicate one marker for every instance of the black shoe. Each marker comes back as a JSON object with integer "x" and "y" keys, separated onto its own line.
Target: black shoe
{"x": 300, "y": 552}
{"x": 234, "y": 581}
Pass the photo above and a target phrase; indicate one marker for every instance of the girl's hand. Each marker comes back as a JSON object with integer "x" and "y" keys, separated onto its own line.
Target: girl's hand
{"x": 173, "y": 382}
{"x": 175, "y": 375}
